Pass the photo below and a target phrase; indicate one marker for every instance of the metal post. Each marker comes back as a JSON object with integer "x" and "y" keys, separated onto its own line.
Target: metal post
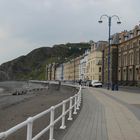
{"x": 3, "y": 136}
{"x": 80, "y": 96}
{"x": 74, "y": 70}
{"x": 103, "y": 65}
{"x": 63, "y": 126}
{"x": 109, "y": 40}
{"x": 29, "y": 128}
{"x": 109, "y": 25}
{"x": 75, "y": 105}
{"x": 51, "y": 123}
{"x": 78, "y": 99}
{"x": 70, "y": 108}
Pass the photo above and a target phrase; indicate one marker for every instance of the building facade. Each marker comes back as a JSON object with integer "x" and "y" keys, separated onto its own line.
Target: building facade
{"x": 113, "y": 70}
{"x": 124, "y": 58}
{"x": 67, "y": 70}
{"x": 59, "y": 73}
{"x": 94, "y": 64}
{"x": 71, "y": 69}
{"x": 83, "y": 65}
{"x": 129, "y": 57}
{"x": 50, "y": 71}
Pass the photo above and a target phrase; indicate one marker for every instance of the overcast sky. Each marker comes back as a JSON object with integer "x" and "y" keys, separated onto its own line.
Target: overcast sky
{"x": 29, "y": 24}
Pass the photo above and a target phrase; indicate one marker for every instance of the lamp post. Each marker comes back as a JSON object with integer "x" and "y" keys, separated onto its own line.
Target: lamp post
{"x": 109, "y": 40}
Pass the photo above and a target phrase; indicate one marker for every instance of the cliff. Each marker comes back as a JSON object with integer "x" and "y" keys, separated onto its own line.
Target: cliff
{"x": 32, "y": 65}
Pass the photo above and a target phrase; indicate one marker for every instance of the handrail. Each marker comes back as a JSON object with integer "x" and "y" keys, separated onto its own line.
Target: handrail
{"x": 29, "y": 122}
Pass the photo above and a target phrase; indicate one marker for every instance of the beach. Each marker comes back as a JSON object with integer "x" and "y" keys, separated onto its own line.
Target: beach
{"x": 16, "y": 108}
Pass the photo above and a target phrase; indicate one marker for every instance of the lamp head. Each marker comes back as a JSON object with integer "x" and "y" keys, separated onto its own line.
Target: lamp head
{"x": 118, "y": 22}
{"x": 100, "y": 21}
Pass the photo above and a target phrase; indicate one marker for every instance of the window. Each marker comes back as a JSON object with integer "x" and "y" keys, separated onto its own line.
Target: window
{"x": 125, "y": 60}
{"x": 134, "y": 44}
{"x": 100, "y": 78}
{"x": 119, "y": 61}
{"x": 131, "y": 35}
{"x": 137, "y": 57}
{"x": 100, "y": 69}
{"x": 132, "y": 58}
{"x": 138, "y": 32}
{"x": 127, "y": 47}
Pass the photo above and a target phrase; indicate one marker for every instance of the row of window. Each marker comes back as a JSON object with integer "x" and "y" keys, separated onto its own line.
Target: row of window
{"x": 130, "y": 46}
{"x": 130, "y": 75}
{"x": 128, "y": 36}
{"x": 129, "y": 58}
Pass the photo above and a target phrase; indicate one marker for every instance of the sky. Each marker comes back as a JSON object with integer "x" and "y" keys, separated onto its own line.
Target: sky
{"x": 29, "y": 24}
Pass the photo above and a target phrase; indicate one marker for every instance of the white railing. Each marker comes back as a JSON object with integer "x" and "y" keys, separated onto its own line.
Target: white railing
{"x": 74, "y": 104}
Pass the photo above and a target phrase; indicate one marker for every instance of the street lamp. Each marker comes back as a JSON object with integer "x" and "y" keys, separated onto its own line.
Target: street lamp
{"x": 109, "y": 40}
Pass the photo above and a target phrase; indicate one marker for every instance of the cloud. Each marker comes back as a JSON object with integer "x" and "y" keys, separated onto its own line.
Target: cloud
{"x": 28, "y": 24}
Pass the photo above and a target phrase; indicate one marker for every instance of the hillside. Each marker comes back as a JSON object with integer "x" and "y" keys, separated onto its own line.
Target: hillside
{"x": 32, "y": 65}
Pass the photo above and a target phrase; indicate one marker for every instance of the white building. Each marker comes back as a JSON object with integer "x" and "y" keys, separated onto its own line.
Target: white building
{"x": 59, "y": 72}
{"x": 83, "y": 65}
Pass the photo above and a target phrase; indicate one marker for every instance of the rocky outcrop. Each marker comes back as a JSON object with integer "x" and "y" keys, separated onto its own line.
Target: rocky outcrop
{"x": 3, "y": 76}
{"x": 32, "y": 65}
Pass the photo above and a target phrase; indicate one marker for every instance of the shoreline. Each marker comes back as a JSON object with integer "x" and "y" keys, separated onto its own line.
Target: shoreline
{"x": 2, "y": 90}
{"x": 25, "y": 106}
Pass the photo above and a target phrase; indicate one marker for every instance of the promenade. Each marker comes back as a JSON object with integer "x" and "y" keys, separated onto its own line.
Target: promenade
{"x": 107, "y": 115}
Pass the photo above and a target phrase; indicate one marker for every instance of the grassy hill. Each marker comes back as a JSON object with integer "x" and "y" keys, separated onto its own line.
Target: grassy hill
{"x": 32, "y": 66}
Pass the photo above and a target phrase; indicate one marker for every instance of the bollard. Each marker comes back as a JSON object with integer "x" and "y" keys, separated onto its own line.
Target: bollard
{"x": 51, "y": 123}
{"x": 63, "y": 126}
{"x": 70, "y": 108}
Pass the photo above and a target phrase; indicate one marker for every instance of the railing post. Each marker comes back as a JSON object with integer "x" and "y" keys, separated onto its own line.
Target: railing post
{"x": 80, "y": 96}
{"x": 51, "y": 123}
{"x": 3, "y": 136}
{"x": 63, "y": 126}
{"x": 70, "y": 110}
{"x": 75, "y": 105}
{"x": 78, "y": 99}
{"x": 29, "y": 128}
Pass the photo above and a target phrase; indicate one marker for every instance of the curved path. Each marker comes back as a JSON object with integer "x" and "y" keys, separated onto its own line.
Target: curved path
{"x": 107, "y": 115}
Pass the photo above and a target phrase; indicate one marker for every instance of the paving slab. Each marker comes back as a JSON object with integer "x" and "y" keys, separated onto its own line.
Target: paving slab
{"x": 105, "y": 118}
{"x": 122, "y": 124}
{"x": 91, "y": 122}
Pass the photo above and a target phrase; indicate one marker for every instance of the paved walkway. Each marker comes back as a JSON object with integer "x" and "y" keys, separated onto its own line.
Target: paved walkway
{"x": 105, "y": 116}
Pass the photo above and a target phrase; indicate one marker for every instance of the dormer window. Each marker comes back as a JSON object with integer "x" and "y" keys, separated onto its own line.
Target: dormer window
{"x": 125, "y": 37}
{"x": 138, "y": 31}
{"x": 120, "y": 40}
{"x": 131, "y": 34}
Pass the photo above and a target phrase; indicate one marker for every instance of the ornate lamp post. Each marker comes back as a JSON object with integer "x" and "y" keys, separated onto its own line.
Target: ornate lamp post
{"x": 109, "y": 41}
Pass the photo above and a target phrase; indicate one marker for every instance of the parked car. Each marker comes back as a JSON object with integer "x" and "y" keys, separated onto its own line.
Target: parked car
{"x": 95, "y": 83}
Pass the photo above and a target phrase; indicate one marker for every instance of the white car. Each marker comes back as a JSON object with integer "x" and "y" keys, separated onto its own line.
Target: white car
{"x": 95, "y": 83}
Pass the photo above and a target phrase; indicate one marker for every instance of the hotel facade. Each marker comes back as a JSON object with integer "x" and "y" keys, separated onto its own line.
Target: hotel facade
{"x": 129, "y": 57}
